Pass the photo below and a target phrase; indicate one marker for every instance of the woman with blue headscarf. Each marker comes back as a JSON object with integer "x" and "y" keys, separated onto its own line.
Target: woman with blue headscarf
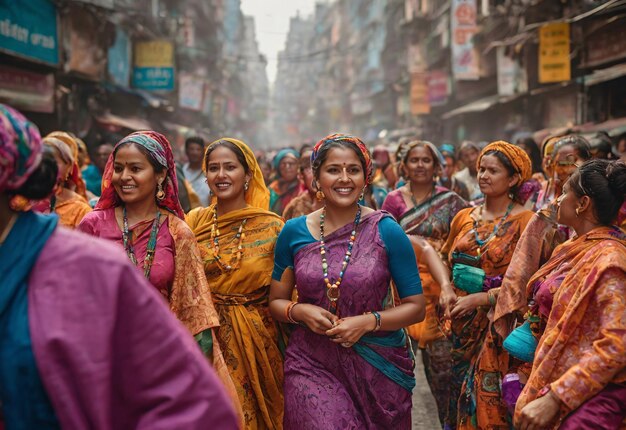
{"x": 86, "y": 341}
{"x": 286, "y": 186}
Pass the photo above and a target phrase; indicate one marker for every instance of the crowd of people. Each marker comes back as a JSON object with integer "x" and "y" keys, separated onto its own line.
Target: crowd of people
{"x": 296, "y": 290}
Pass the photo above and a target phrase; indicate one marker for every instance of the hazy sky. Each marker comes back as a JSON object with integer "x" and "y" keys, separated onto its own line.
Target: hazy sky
{"x": 271, "y": 18}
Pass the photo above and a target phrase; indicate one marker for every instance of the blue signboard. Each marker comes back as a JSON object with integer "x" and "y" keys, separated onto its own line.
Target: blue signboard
{"x": 119, "y": 59}
{"x": 153, "y": 78}
{"x": 29, "y": 29}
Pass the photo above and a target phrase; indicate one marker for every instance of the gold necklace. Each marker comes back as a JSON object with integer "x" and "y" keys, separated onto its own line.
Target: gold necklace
{"x": 215, "y": 238}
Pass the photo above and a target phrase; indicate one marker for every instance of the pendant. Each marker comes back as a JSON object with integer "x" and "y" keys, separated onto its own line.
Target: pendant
{"x": 332, "y": 293}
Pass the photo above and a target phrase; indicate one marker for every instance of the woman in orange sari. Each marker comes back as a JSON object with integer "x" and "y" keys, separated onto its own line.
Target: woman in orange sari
{"x": 139, "y": 209}
{"x": 479, "y": 247}
{"x": 237, "y": 235}
{"x": 578, "y": 379}
{"x": 69, "y": 200}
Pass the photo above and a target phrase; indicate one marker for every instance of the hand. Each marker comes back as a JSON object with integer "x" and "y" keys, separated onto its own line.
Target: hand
{"x": 539, "y": 413}
{"x": 466, "y": 304}
{"x": 348, "y": 331}
{"x": 447, "y": 300}
{"x": 317, "y": 319}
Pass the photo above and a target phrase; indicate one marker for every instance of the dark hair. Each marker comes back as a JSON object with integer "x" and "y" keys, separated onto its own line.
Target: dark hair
{"x": 158, "y": 168}
{"x": 604, "y": 181}
{"x": 508, "y": 166}
{"x": 240, "y": 157}
{"x": 577, "y": 141}
{"x": 601, "y": 141}
{"x": 322, "y": 155}
{"x": 535, "y": 153}
{"x": 194, "y": 140}
{"x": 41, "y": 181}
{"x": 423, "y": 144}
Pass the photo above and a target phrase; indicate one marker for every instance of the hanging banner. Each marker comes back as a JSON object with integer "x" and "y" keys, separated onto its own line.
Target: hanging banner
{"x": 554, "y": 61}
{"x": 29, "y": 91}
{"x": 190, "y": 91}
{"x": 29, "y": 29}
{"x": 119, "y": 59}
{"x": 465, "y": 65}
{"x": 154, "y": 65}
{"x": 438, "y": 87}
{"x": 511, "y": 76}
{"x": 419, "y": 94}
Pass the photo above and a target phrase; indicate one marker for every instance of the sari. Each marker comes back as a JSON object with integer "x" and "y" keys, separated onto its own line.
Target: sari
{"x": 337, "y": 387}
{"x": 303, "y": 204}
{"x": 431, "y": 220}
{"x": 583, "y": 349}
{"x": 247, "y": 334}
{"x": 283, "y": 193}
{"x": 478, "y": 359}
{"x": 71, "y": 211}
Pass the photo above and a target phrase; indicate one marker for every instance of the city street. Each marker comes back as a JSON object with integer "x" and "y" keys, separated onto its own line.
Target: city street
{"x": 424, "y": 407}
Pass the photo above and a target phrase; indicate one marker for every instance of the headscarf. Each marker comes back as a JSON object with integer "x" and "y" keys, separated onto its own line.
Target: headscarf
{"x": 20, "y": 148}
{"x": 279, "y": 157}
{"x": 448, "y": 149}
{"x": 160, "y": 151}
{"x": 412, "y": 144}
{"x": 258, "y": 195}
{"x": 337, "y": 137}
{"x": 516, "y": 155}
{"x": 57, "y": 138}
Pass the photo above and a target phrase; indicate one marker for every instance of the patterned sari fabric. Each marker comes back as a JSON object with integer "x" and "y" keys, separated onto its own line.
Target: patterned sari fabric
{"x": 328, "y": 386}
{"x": 582, "y": 352}
{"x": 247, "y": 334}
{"x": 304, "y": 204}
{"x": 478, "y": 359}
{"x": 283, "y": 194}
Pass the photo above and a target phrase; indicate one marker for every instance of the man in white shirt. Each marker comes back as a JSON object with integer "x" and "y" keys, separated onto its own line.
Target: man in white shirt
{"x": 194, "y": 149}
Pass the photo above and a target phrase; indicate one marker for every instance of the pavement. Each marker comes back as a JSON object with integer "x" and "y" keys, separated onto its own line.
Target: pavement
{"x": 424, "y": 406}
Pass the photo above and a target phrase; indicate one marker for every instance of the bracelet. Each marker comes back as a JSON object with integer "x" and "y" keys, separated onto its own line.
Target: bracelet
{"x": 378, "y": 321}
{"x": 288, "y": 311}
{"x": 491, "y": 297}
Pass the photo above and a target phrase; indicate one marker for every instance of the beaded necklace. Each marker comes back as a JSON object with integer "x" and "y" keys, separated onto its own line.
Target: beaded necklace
{"x": 215, "y": 237}
{"x": 332, "y": 290}
{"x": 150, "y": 250}
{"x": 482, "y": 242}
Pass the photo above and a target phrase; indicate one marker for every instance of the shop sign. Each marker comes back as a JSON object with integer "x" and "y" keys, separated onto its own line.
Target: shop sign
{"x": 119, "y": 59}
{"x": 438, "y": 87}
{"x": 511, "y": 76}
{"x": 190, "y": 92}
{"x": 554, "y": 61}
{"x": 153, "y": 68}
{"x": 29, "y": 29}
{"x": 465, "y": 61}
{"x": 606, "y": 45}
{"x": 419, "y": 94}
{"x": 29, "y": 91}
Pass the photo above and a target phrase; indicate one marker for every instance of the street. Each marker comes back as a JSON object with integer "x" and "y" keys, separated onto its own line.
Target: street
{"x": 424, "y": 407}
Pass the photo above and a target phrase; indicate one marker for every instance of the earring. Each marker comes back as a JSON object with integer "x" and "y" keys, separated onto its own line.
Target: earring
{"x": 246, "y": 186}
{"x": 361, "y": 195}
{"x": 577, "y": 211}
{"x": 160, "y": 195}
{"x": 320, "y": 195}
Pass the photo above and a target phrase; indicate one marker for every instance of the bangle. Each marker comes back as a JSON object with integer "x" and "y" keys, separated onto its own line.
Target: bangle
{"x": 288, "y": 311}
{"x": 378, "y": 321}
{"x": 491, "y": 297}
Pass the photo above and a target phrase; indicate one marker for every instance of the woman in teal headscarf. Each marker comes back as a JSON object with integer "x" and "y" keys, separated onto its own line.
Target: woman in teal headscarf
{"x": 286, "y": 186}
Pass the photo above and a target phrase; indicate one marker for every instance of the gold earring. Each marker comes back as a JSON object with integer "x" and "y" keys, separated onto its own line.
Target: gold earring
{"x": 320, "y": 195}
{"x": 577, "y": 211}
{"x": 361, "y": 195}
{"x": 160, "y": 195}
{"x": 246, "y": 186}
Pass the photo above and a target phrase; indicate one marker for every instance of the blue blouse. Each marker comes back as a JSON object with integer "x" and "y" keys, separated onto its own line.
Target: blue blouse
{"x": 402, "y": 263}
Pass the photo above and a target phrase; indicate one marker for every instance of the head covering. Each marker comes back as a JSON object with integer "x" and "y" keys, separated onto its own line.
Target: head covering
{"x": 258, "y": 195}
{"x": 447, "y": 149}
{"x": 75, "y": 178}
{"x": 20, "y": 148}
{"x": 337, "y": 137}
{"x": 160, "y": 151}
{"x": 516, "y": 155}
{"x": 414, "y": 143}
{"x": 282, "y": 154}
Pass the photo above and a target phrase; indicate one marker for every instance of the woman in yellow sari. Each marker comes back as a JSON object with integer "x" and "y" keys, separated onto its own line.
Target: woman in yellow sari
{"x": 237, "y": 234}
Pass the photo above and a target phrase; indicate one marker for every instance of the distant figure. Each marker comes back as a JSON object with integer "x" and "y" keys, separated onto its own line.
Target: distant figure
{"x": 468, "y": 154}
{"x": 92, "y": 174}
{"x": 194, "y": 149}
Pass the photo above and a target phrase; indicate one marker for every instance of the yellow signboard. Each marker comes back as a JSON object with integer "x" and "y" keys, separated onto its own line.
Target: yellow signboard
{"x": 419, "y": 94}
{"x": 155, "y": 53}
{"x": 554, "y": 61}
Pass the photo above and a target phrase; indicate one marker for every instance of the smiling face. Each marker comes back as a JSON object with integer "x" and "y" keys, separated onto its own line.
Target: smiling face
{"x": 134, "y": 177}
{"x": 493, "y": 177}
{"x": 225, "y": 174}
{"x": 419, "y": 166}
{"x": 341, "y": 177}
{"x": 288, "y": 168}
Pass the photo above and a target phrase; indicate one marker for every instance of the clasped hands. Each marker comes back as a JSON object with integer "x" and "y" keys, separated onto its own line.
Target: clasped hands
{"x": 344, "y": 331}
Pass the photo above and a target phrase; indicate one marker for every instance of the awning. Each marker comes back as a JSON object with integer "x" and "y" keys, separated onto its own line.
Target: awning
{"x": 604, "y": 75}
{"x": 131, "y": 123}
{"x": 614, "y": 127}
{"x": 480, "y": 105}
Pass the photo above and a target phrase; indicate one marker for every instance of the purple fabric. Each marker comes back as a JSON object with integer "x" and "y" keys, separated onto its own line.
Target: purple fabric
{"x": 103, "y": 224}
{"x": 395, "y": 204}
{"x": 110, "y": 353}
{"x": 606, "y": 410}
{"x": 491, "y": 282}
{"x": 328, "y": 386}
{"x": 511, "y": 389}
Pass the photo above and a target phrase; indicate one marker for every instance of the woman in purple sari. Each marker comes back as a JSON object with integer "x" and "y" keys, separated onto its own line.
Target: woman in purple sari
{"x": 348, "y": 364}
